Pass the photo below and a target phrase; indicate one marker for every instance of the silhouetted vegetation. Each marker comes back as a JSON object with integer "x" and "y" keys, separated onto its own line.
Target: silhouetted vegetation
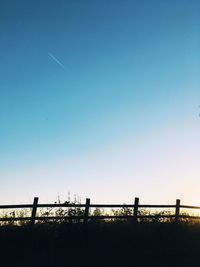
{"x": 101, "y": 244}
{"x": 152, "y": 241}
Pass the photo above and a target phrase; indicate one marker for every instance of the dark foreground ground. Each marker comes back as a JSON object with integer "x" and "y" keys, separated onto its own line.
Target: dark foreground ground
{"x": 111, "y": 244}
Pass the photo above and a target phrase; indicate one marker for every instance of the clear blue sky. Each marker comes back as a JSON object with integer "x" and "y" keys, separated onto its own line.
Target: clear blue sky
{"x": 99, "y": 98}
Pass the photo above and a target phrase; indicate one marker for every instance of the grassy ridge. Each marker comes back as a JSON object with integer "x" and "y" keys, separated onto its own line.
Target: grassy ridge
{"x": 101, "y": 244}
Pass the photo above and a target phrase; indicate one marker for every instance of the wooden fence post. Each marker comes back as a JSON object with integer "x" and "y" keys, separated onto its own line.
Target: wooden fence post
{"x": 135, "y": 211}
{"x": 177, "y": 210}
{"x": 87, "y": 207}
{"x": 34, "y": 210}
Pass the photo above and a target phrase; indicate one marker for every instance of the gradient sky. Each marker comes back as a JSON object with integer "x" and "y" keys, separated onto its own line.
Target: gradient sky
{"x": 100, "y": 98}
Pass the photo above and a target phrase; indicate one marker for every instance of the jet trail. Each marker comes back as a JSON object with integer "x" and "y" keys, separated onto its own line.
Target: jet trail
{"x": 57, "y": 61}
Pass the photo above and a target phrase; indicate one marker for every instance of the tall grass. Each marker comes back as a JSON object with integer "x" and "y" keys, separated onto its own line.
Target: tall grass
{"x": 116, "y": 243}
{"x": 67, "y": 213}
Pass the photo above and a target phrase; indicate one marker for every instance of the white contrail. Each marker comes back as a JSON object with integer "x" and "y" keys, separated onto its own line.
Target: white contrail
{"x": 57, "y": 61}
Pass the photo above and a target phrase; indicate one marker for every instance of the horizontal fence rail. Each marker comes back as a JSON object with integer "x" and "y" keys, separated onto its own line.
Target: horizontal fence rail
{"x": 85, "y": 216}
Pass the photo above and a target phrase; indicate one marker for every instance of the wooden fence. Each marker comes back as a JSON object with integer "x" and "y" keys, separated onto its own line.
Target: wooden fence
{"x": 136, "y": 215}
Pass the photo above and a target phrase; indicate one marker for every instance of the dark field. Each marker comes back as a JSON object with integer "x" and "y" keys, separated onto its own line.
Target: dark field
{"x": 101, "y": 244}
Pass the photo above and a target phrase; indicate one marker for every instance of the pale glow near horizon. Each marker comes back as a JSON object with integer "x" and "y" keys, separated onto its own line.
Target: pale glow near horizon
{"x": 158, "y": 169}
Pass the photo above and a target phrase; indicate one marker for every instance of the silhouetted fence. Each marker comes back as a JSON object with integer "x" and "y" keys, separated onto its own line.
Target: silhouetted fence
{"x": 136, "y": 215}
